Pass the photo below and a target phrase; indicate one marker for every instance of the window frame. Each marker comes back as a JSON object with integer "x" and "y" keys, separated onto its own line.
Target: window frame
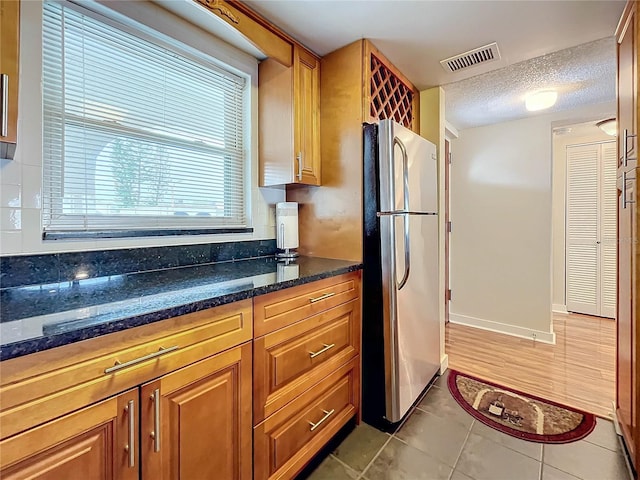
{"x": 131, "y": 18}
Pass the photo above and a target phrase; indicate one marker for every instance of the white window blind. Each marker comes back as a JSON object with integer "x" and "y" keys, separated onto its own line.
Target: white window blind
{"x": 138, "y": 134}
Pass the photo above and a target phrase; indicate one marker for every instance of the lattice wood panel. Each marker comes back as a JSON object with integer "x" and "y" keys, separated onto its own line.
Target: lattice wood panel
{"x": 390, "y": 97}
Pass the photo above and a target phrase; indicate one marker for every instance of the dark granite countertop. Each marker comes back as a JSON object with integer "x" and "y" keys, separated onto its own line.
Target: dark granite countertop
{"x": 38, "y": 317}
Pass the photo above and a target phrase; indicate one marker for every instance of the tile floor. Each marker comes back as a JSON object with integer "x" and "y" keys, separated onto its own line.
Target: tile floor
{"x": 439, "y": 440}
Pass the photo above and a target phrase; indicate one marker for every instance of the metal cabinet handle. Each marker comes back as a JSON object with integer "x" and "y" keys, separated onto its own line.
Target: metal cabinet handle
{"x": 130, "y": 447}
{"x": 4, "y": 124}
{"x": 322, "y": 350}
{"x": 321, "y": 297}
{"x": 322, "y": 420}
{"x": 625, "y": 146}
{"x": 625, "y": 136}
{"x": 135, "y": 361}
{"x": 624, "y": 191}
{"x": 155, "y": 434}
{"x": 299, "y": 158}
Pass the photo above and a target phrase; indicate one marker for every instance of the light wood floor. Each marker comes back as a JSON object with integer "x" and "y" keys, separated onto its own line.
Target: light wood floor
{"x": 579, "y": 370}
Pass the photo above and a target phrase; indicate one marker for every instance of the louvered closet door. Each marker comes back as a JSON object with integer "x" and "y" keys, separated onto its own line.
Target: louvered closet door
{"x": 609, "y": 197}
{"x": 582, "y": 229}
{"x": 591, "y": 229}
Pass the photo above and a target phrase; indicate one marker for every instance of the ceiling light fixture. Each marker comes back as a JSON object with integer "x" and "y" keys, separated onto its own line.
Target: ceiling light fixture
{"x": 608, "y": 126}
{"x": 540, "y": 100}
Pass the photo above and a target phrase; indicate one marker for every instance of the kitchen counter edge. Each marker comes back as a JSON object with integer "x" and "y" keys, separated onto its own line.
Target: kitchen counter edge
{"x": 29, "y": 346}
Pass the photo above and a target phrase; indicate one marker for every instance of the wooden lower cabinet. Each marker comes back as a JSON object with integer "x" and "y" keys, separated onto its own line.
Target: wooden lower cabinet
{"x": 178, "y": 399}
{"x": 189, "y": 424}
{"x": 196, "y": 422}
{"x": 290, "y": 360}
{"x": 286, "y": 441}
{"x": 91, "y": 444}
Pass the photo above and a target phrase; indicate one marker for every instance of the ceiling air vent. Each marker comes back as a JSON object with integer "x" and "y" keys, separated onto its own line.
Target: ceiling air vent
{"x": 485, "y": 54}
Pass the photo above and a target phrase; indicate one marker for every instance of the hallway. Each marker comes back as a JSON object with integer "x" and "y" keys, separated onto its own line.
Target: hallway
{"x": 579, "y": 370}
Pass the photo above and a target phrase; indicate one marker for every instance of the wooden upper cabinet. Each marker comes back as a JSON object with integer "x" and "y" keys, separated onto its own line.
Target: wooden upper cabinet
{"x": 97, "y": 443}
{"x": 289, "y": 120}
{"x": 196, "y": 422}
{"x": 306, "y": 104}
{"x": 9, "y": 69}
{"x": 627, "y": 82}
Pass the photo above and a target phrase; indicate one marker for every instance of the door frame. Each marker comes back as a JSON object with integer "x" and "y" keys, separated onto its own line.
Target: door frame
{"x": 450, "y": 134}
{"x": 447, "y": 231}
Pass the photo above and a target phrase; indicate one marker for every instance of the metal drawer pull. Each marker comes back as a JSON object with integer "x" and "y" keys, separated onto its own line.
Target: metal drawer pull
{"x": 321, "y": 421}
{"x": 155, "y": 398}
{"x": 322, "y": 350}
{"x": 120, "y": 366}
{"x": 322, "y": 297}
{"x": 130, "y": 448}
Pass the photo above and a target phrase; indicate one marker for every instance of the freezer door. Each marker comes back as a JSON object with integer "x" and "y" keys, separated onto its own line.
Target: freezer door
{"x": 412, "y": 332}
{"x": 420, "y": 184}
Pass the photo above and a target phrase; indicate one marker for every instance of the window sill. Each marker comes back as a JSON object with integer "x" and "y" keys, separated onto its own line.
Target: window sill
{"x": 140, "y": 233}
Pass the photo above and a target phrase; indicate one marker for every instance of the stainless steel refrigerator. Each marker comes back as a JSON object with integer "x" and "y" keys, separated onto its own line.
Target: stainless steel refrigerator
{"x": 400, "y": 327}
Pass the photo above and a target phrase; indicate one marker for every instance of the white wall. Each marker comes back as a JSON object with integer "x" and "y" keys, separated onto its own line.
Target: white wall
{"x": 21, "y": 178}
{"x": 432, "y": 127}
{"x": 501, "y": 193}
{"x": 580, "y": 135}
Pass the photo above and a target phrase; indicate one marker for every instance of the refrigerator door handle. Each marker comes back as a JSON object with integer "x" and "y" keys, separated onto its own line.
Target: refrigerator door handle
{"x": 405, "y": 172}
{"x": 407, "y": 244}
{"x": 407, "y": 253}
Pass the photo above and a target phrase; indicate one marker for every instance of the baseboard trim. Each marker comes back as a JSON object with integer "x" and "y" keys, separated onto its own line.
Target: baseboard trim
{"x": 559, "y": 308}
{"x": 444, "y": 363}
{"x": 513, "y": 330}
{"x": 614, "y": 419}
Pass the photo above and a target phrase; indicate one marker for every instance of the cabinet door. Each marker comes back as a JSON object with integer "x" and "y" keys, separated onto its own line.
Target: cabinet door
{"x": 196, "y": 421}
{"x": 306, "y": 86}
{"x": 9, "y": 55}
{"x": 627, "y": 80}
{"x": 95, "y": 443}
{"x": 627, "y": 392}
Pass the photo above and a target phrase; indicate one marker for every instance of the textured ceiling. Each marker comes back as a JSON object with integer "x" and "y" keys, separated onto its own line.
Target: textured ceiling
{"x": 581, "y": 75}
{"x": 416, "y": 35}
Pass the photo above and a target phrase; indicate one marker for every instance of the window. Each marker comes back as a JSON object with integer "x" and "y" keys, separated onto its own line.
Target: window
{"x": 139, "y": 134}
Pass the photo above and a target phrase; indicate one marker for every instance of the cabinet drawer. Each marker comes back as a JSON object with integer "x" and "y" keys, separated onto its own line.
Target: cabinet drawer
{"x": 290, "y": 360}
{"x": 40, "y": 387}
{"x": 289, "y": 438}
{"x": 279, "y": 309}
